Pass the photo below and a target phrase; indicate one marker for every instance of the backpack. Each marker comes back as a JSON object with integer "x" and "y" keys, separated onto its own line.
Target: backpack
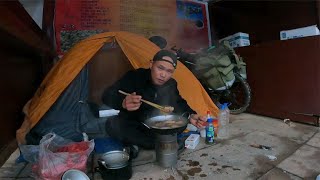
{"x": 216, "y": 66}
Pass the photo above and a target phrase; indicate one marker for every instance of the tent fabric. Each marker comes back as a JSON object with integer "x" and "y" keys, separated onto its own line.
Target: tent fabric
{"x": 70, "y": 115}
{"x": 139, "y": 51}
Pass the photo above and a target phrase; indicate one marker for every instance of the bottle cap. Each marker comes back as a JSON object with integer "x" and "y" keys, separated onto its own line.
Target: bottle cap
{"x": 208, "y": 114}
{"x": 224, "y": 106}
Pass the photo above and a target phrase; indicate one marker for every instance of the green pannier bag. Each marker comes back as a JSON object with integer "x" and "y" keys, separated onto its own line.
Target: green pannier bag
{"x": 215, "y": 72}
{"x": 237, "y": 60}
{"x": 215, "y": 68}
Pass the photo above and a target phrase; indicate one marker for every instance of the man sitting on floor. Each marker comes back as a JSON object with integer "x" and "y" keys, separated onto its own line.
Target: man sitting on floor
{"x": 154, "y": 84}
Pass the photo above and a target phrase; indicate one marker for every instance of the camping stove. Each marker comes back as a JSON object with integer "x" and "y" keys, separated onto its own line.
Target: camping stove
{"x": 167, "y": 150}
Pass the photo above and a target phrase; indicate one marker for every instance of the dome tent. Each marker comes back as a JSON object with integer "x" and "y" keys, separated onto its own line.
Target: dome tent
{"x": 91, "y": 66}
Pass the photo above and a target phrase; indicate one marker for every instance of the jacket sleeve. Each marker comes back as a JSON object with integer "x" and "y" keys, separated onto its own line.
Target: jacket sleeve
{"x": 111, "y": 97}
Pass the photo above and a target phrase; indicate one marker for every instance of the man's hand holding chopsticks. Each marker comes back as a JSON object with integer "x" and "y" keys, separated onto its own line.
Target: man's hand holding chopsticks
{"x": 132, "y": 102}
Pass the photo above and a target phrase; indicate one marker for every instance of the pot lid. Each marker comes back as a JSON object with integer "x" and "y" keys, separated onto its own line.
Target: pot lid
{"x": 114, "y": 159}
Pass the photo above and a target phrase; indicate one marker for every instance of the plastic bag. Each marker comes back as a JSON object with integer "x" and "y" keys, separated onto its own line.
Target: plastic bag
{"x": 29, "y": 153}
{"x": 57, "y": 155}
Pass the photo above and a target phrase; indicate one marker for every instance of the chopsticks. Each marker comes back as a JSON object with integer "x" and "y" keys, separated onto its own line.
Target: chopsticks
{"x": 166, "y": 109}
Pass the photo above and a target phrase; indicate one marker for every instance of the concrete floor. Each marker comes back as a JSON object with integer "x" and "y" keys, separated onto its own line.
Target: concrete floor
{"x": 296, "y": 148}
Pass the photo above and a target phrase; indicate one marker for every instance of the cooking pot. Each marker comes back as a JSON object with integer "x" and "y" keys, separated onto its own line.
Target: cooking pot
{"x": 171, "y": 124}
{"x": 115, "y": 165}
{"x": 74, "y": 174}
{"x": 114, "y": 159}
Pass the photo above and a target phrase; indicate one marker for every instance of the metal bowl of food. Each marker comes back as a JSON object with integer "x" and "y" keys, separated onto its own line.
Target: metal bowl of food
{"x": 114, "y": 159}
{"x": 74, "y": 174}
{"x": 167, "y": 124}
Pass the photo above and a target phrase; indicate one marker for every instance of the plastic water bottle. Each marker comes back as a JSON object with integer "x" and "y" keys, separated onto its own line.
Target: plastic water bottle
{"x": 224, "y": 116}
{"x": 209, "y": 130}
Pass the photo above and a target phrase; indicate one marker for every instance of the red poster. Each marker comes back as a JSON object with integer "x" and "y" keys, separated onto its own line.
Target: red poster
{"x": 78, "y": 19}
{"x": 182, "y": 23}
{"x": 192, "y": 27}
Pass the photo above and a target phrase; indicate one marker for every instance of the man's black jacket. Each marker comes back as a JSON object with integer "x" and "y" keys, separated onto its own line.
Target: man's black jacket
{"x": 139, "y": 81}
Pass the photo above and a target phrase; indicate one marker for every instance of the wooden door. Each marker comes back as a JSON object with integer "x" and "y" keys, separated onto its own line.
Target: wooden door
{"x": 285, "y": 78}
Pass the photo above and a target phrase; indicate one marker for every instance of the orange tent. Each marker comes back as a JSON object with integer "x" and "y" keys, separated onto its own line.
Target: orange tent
{"x": 136, "y": 49}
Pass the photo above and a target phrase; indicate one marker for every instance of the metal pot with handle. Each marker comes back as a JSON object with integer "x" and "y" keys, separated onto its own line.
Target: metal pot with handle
{"x": 115, "y": 165}
{"x": 114, "y": 159}
{"x": 167, "y": 124}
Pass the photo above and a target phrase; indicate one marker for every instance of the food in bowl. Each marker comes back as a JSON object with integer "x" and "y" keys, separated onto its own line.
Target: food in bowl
{"x": 169, "y": 124}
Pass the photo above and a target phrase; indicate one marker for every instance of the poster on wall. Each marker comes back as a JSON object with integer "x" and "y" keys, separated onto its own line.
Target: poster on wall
{"x": 148, "y": 17}
{"x": 182, "y": 23}
{"x": 193, "y": 25}
{"x": 77, "y": 20}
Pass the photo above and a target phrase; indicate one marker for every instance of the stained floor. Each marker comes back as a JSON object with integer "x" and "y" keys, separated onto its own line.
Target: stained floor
{"x": 294, "y": 154}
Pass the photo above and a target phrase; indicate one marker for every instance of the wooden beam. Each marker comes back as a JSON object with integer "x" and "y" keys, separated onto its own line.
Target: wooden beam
{"x": 48, "y": 20}
{"x": 48, "y": 29}
{"x": 15, "y": 20}
{"x": 317, "y": 4}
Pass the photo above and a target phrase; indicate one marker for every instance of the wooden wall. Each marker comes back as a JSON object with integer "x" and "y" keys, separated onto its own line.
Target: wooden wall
{"x": 25, "y": 56}
{"x": 284, "y": 78}
{"x": 263, "y": 20}
{"x": 20, "y": 71}
{"x": 283, "y": 75}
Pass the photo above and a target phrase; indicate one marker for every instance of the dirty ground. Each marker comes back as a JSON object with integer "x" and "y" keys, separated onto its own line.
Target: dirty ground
{"x": 292, "y": 151}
